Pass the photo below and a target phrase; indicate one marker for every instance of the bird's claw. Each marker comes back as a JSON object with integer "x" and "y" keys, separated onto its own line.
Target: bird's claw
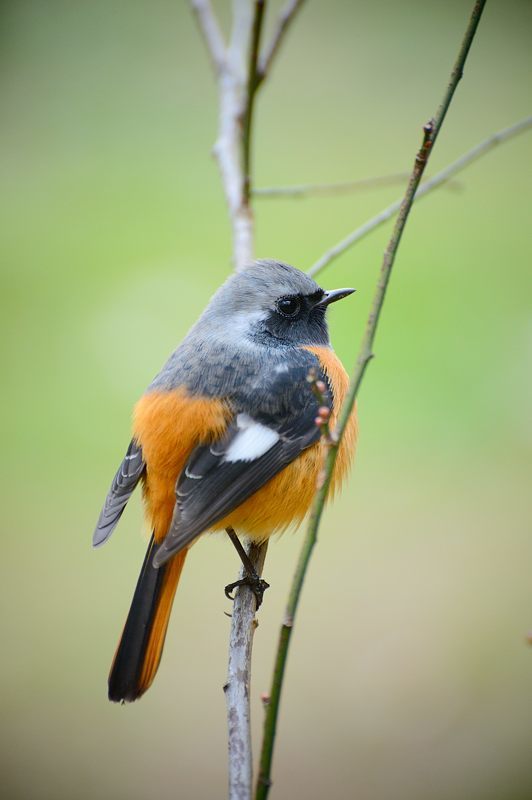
{"x": 257, "y": 585}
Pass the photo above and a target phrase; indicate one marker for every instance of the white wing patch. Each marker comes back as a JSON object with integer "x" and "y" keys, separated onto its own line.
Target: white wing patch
{"x": 252, "y": 440}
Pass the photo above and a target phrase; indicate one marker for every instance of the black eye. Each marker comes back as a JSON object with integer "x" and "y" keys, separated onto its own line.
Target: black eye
{"x": 288, "y": 306}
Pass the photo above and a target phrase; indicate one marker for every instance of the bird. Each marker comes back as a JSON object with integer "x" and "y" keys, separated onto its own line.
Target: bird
{"x": 227, "y": 437}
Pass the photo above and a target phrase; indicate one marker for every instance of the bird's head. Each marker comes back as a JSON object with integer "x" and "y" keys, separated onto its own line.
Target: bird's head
{"x": 274, "y": 302}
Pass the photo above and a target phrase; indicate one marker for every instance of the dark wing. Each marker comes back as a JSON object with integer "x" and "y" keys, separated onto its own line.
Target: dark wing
{"x": 129, "y": 473}
{"x": 221, "y": 476}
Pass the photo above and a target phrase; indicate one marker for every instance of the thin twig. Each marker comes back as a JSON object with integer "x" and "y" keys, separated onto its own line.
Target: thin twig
{"x": 431, "y": 131}
{"x": 253, "y": 83}
{"x": 428, "y": 186}
{"x": 212, "y": 34}
{"x": 338, "y": 187}
{"x": 286, "y": 16}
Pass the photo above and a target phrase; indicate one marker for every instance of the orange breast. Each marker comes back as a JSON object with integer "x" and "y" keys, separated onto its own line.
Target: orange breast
{"x": 287, "y": 497}
{"x": 169, "y": 425}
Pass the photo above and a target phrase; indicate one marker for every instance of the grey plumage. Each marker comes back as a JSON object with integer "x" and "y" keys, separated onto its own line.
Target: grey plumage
{"x": 128, "y": 475}
{"x": 227, "y": 349}
{"x": 247, "y": 351}
{"x": 211, "y": 485}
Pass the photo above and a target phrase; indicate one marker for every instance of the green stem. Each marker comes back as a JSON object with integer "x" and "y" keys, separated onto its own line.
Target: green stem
{"x": 431, "y": 131}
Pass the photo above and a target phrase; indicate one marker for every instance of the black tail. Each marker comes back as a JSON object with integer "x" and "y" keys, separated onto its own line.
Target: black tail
{"x": 139, "y": 651}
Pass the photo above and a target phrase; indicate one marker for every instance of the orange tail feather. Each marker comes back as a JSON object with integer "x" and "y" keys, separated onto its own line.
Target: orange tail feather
{"x": 139, "y": 651}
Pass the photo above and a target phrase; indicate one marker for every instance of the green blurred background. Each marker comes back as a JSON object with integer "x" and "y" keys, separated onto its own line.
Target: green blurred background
{"x": 410, "y": 676}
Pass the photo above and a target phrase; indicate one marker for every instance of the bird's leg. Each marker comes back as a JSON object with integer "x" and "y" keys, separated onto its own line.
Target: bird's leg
{"x": 257, "y": 585}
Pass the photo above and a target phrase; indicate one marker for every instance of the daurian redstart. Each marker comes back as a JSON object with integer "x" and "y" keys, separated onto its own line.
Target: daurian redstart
{"x": 225, "y": 438}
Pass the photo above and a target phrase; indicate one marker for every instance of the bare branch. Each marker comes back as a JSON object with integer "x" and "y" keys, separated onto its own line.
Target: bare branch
{"x": 239, "y": 75}
{"x": 208, "y": 24}
{"x": 286, "y": 16}
{"x": 234, "y": 83}
{"x": 228, "y": 148}
{"x": 236, "y": 69}
{"x": 338, "y": 187}
{"x": 437, "y": 180}
{"x": 431, "y": 131}
{"x": 236, "y": 689}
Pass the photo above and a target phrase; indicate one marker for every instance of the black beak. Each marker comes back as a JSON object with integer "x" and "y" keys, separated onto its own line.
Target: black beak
{"x": 332, "y": 297}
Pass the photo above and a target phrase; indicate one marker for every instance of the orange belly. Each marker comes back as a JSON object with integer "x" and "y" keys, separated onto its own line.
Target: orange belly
{"x": 169, "y": 425}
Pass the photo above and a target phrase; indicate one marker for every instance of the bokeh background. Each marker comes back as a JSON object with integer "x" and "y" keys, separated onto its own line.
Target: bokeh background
{"x": 410, "y": 675}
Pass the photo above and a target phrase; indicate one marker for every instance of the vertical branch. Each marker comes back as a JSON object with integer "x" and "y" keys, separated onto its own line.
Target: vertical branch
{"x": 240, "y": 70}
{"x": 237, "y": 91}
{"x": 228, "y": 149}
{"x": 235, "y": 68}
{"x": 431, "y": 131}
{"x": 243, "y": 624}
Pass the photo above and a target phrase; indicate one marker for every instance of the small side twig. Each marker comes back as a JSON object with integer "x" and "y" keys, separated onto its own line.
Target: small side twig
{"x": 336, "y": 187}
{"x": 210, "y": 29}
{"x": 437, "y": 180}
{"x": 286, "y": 16}
{"x": 430, "y": 133}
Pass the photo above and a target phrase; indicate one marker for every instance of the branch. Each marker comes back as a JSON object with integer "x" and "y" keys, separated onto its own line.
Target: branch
{"x": 431, "y": 131}
{"x": 428, "y": 186}
{"x": 232, "y": 149}
{"x": 243, "y": 624}
{"x": 235, "y": 99}
{"x": 253, "y": 83}
{"x": 284, "y": 20}
{"x": 237, "y": 74}
{"x": 208, "y": 24}
{"x": 339, "y": 187}
{"x": 228, "y": 146}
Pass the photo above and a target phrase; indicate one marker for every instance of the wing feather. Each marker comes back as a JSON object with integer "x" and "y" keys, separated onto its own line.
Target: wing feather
{"x": 129, "y": 473}
{"x": 212, "y": 484}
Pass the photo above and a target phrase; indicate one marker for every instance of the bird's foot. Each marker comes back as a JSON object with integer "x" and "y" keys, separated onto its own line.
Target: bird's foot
{"x": 257, "y": 585}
